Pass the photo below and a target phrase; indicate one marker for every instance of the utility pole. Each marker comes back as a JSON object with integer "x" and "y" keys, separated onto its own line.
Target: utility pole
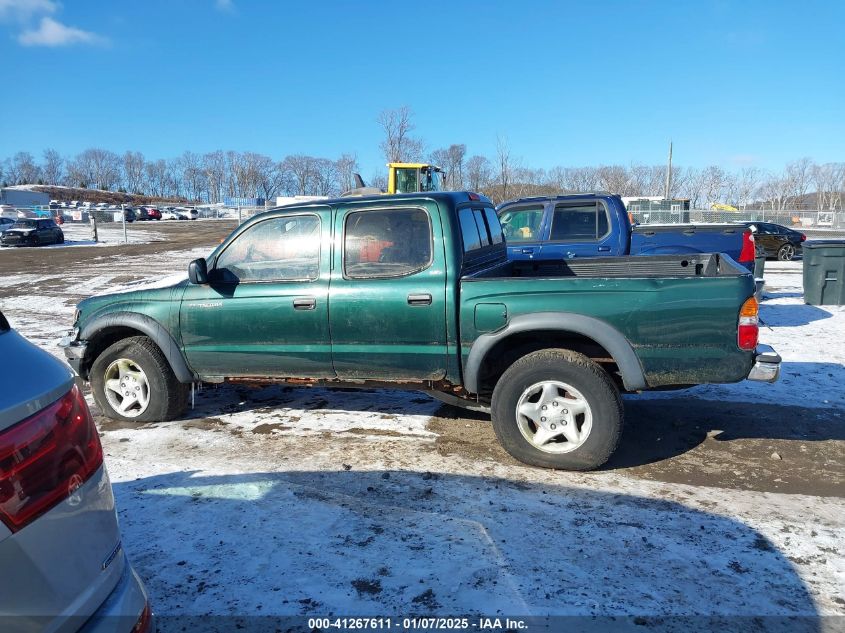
{"x": 668, "y": 186}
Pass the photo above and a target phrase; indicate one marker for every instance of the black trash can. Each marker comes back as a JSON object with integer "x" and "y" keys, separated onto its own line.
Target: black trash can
{"x": 824, "y": 272}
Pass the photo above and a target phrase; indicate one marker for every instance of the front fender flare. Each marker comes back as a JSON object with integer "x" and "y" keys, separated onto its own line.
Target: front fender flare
{"x": 149, "y": 327}
{"x": 605, "y": 335}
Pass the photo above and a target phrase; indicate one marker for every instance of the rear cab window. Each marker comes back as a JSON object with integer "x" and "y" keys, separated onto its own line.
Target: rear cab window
{"x": 482, "y": 236}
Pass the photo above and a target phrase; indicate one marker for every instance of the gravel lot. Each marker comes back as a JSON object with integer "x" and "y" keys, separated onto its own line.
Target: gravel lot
{"x": 724, "y": 501}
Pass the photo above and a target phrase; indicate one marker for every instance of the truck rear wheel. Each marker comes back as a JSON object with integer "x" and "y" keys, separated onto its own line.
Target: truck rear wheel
{"x": 556, "y": 408}
{"x": 132, "y": 381}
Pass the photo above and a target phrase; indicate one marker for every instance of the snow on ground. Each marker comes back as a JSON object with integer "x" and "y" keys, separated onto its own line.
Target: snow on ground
{"x": 311, "y": 501}
{"x": 108, "y": 234}
{"x": 41, "y": 306}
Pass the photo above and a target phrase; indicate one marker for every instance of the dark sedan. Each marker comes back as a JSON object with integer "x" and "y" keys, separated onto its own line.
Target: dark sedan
{"x": 5, "y": 224}
{"x": 32, "y": 232}
{"x": 777, "y": 241}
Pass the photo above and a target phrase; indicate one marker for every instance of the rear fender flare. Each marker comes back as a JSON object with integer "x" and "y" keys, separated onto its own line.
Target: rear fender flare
{"x": 149, "y": 327}
{"x": 605, "y": 335}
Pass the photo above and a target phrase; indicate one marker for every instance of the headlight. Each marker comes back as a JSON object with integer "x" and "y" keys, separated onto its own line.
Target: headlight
{"x": 75, "y": 317}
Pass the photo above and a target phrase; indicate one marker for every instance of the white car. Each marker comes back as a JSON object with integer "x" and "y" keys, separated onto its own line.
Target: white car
{"x": 172, "y": 214}
{"x": 189, "y": 212}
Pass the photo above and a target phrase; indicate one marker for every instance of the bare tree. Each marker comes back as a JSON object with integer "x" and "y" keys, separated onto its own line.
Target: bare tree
{"x": 504, "y": 166}
{"x": 478, "y": 173}
{"x": 156, "y": 176}
{"x": 398, "y": 146}
{"x": 53, "y": 168}
{"x": 829, "y": 181}
{"x": 713, "y": 181}
{"x": 324, "y": 177}
{"x": 347, "y": 167}
{"x": 214, "y": 170}
{"x": 799, "y": 173}
{"x": 301, "y": 167}
{"x": 615, "y": 179}
{"x": 24, "y": 171}
{"x": 268, "y": 182}
{"x": 455, "y": 166}
{"x": 132, "y": 164}
{"x": 747, "y": 184}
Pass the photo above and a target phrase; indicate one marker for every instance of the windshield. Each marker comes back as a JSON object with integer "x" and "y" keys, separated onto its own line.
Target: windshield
{"x": 25, "y": 224}
{"x": 430, "y": 180}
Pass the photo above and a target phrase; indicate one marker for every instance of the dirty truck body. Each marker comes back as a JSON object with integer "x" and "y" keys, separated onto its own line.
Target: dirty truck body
{"x": 416, "y": 291}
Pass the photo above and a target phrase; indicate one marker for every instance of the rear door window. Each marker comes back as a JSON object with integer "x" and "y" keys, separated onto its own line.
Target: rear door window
{"x": 386, "y": 243}
{"x": 583, "y": 221}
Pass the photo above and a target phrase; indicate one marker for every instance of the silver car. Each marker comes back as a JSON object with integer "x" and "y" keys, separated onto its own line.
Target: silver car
{"x": 62, "y": 565}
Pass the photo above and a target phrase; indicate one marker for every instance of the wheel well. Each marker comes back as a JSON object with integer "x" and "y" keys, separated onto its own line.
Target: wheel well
{"x": 507, "y": 351}
{"x": 103, "y": 339}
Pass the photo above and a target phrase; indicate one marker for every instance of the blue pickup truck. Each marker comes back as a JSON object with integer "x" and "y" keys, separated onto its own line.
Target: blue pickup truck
{"x": 598, "y": 225}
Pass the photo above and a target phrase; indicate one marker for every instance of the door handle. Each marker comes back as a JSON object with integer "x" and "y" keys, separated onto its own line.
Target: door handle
{"x": 527, "y": 251}
{"x": 305, "y": 304}
{"x": 419, "y": 299}
{"x": 604, "y": 249}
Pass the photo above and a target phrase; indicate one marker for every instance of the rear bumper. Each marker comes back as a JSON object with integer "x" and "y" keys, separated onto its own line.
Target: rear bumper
{"x": 122, "y": 609}
{"x": 766, "y": 366}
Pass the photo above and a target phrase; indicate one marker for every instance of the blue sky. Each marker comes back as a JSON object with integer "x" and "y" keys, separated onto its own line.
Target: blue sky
{"x": 730, "y": 82}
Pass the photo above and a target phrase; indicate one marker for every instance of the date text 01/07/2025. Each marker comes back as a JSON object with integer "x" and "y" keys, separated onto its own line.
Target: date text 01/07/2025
{"x": 417, "y": 624}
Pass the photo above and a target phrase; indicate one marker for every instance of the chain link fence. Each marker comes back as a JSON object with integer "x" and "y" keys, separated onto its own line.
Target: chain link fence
{"x": 833, "y": 220}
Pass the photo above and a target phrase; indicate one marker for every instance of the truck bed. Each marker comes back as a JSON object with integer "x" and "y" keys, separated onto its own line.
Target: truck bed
{"x": 679, "y": 312}
{"x": 658, "y": 266}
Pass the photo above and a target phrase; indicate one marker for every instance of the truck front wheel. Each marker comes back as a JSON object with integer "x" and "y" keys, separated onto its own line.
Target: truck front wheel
{"x": 556, "y": 408}
{"x": 132, "y": 381}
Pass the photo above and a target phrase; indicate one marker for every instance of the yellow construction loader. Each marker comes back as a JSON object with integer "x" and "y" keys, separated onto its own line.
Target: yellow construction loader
{"x": 404, "y": 178}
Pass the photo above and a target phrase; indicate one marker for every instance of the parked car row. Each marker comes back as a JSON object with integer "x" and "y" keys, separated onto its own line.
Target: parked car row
{"x": 164, "y": 213}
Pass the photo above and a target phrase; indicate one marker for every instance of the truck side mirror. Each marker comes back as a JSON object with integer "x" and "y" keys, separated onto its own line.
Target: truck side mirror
{"x": 198, "y": 272}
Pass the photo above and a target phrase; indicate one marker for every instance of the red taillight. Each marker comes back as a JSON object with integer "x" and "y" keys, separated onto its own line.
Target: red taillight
{"x": 748, "y": 329}
{"x": 144, "y": 620}
{"x": 803, "y": 238}
{"x": 45, "y": 458}
{"x": 747, "y": 253}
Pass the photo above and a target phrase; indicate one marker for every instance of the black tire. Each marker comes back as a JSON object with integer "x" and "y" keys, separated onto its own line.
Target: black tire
{"x": 168, "y": 398}
{"x": 582, "y": 374}
{"x": 786, "y": 253}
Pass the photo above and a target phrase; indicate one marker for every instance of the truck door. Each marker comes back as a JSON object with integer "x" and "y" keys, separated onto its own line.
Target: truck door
{"x": 580, "y": 229}
{"x": 265, "y": 310}
{"x": 387, "y": 307}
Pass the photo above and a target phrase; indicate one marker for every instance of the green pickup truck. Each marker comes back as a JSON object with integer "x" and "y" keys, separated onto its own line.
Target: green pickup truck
{"x": 416, "y": 291}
